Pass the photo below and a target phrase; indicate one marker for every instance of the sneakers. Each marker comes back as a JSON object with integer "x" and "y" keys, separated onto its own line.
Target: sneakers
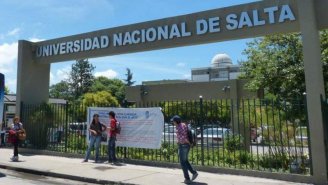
{"x": 194, "y": 176}
{"x": 187, "y": 181}
{"x": 14, "y": 158}
{"x": 85, "y": 160}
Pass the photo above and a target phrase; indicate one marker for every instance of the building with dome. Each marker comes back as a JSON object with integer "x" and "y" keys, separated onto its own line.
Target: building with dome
{"x": 221, "y": 69}
{"x": 218, "y": 81}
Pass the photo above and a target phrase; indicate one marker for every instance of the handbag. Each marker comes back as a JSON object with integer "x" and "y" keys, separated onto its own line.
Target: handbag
{"x": 21, "y": 135}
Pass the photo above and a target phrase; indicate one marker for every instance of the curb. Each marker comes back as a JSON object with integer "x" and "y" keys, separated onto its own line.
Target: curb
{"x": 62, "y": 176}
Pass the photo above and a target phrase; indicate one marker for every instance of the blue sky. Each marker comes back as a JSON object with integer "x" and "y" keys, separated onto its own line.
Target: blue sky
{"x": 37, "y": 20}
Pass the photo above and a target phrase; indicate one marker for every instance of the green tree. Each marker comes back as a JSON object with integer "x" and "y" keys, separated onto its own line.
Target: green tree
{"x": 114, "y": 86}
{"x": 129, "y": 76}
{"x": 60, "y": 90}
{"x": 275, "y": 63}
{"x": 7, "y": 91}
{"x": 81, "y": 77}
{"x": 102, "y": 98}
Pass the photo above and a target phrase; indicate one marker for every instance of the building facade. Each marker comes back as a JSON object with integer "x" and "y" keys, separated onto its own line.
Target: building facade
{"x": 219, "y": 81}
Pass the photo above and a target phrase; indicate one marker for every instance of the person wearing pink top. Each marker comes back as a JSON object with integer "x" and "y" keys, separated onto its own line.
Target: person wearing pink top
{"x": 184, "y": 147}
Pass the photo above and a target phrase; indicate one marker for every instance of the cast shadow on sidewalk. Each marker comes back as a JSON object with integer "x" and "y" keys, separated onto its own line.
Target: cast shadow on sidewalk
{"x": 198, "y": 183}
{"x": 20, "y": 161}
{"x": 2, "y": 175}
{"x": 103, "y": 168}
{"x": 119, "y": 164}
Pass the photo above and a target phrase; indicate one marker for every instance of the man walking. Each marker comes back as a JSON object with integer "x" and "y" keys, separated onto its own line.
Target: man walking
{"x": 184, "y": 147}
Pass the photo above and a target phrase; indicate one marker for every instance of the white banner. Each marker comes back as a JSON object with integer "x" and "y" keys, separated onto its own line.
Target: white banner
{"x": 140, "y": 127}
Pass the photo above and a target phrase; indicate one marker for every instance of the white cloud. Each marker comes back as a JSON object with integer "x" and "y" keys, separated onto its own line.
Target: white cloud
{"x": 8, "y": 64}
{"x": 35, "y": 39}
{"x": 8, "y": 57}
{"x": 187, "y": 76}
{"x": 180, "y": 64}
{"x": 109, "y": 74}
{"x": 14, "y": 32}
{"x": 8, "y": 60}
{"x": 11, "y": 83}
{"x": 52, "y": 77}
{"x": 59, "y": 75}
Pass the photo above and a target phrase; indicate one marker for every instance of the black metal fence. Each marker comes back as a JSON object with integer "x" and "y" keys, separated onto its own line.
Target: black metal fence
{"x": 324, "y": 105}
{"x": 265, "y": 135}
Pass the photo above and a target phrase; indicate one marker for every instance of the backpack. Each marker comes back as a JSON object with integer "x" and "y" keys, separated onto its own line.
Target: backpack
{"x": 191, "y": 136}
{"x": 118, "y": 127}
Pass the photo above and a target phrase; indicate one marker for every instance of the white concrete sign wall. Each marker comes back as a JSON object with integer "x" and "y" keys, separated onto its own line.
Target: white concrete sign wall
{"x": 233, "y": 21}
{"x": 140, "y": 127}
{"x": 257, "y": 19}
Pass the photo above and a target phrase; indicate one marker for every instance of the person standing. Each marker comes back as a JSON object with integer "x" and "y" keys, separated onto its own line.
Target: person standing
{"x": 112, "y": 137}
{"x": 96, "y": 129}
{"x": 16, "y": 128}
{"x": 2, "y": 134}
{"x": 184, "y": 147}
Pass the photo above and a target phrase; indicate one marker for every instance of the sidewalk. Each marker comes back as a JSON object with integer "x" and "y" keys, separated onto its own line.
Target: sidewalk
{"x": 104, "y": 173}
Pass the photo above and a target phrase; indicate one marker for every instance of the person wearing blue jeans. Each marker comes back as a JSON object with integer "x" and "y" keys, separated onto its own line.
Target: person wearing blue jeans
{"x": 112, "y": 137}
{"x": 96, "y": 129}
{"x": 111, "y": 150}
{"x": 184, "y": 147}
{"x": 185, "y": 165}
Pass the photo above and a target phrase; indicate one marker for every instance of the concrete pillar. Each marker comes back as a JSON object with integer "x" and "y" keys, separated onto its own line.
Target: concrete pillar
{"x": 314, "y": 87}
{"x": 239, "y": 126}
{"x": 233, "y": 95}
{"x": 32, "y": 77}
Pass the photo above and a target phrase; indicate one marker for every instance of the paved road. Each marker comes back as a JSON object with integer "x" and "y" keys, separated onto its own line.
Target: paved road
{"x": 9, "y": 177}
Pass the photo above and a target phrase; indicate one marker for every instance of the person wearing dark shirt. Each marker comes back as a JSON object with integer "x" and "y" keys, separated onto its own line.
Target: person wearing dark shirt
{"x": 184, "y": 147}
{"x": 96, "y": 129}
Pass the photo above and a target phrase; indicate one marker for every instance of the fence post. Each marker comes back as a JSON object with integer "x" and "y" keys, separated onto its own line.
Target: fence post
{"x": 21, "y": 110}
{"x": 201, "y": 128}
{"x": 324, "y": 106}
{"x": 125, "y": 105}
{"x": 66, "y": 127}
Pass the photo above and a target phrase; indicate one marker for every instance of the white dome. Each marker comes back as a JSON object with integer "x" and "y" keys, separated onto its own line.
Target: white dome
{"x": 221, "y": 60}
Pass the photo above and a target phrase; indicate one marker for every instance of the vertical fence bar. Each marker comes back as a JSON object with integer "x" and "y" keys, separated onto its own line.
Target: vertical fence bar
{"x": 268, "y": 130}
{"x": 202, "y": 129}
{"x": 287, "y": 128}
{"x": 275, "y": 147}
{"x": 256, "y": 134}
{"x": 249, "y": 137}
{"x": 66, "y": 125}
{"x": 239, "y": 132}
{"x": 308, "y": 130}
{"x": 281, "y": 144}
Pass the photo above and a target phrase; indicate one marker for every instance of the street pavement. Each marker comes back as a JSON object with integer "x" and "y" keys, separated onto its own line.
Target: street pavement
{"x": 104, "y": 173}
{"x": 10, "y": 177}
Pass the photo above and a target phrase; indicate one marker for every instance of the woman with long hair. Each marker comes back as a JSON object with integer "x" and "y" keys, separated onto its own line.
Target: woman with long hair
{"x": 96, "y": 128}
{"x": 16, "y": 128}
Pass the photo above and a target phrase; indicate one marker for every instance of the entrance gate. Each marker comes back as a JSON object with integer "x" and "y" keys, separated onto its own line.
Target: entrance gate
{"x": 236, "y": 22}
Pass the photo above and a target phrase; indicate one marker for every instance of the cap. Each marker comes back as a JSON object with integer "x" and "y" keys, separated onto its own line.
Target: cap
{"x": 176, "y": 118}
